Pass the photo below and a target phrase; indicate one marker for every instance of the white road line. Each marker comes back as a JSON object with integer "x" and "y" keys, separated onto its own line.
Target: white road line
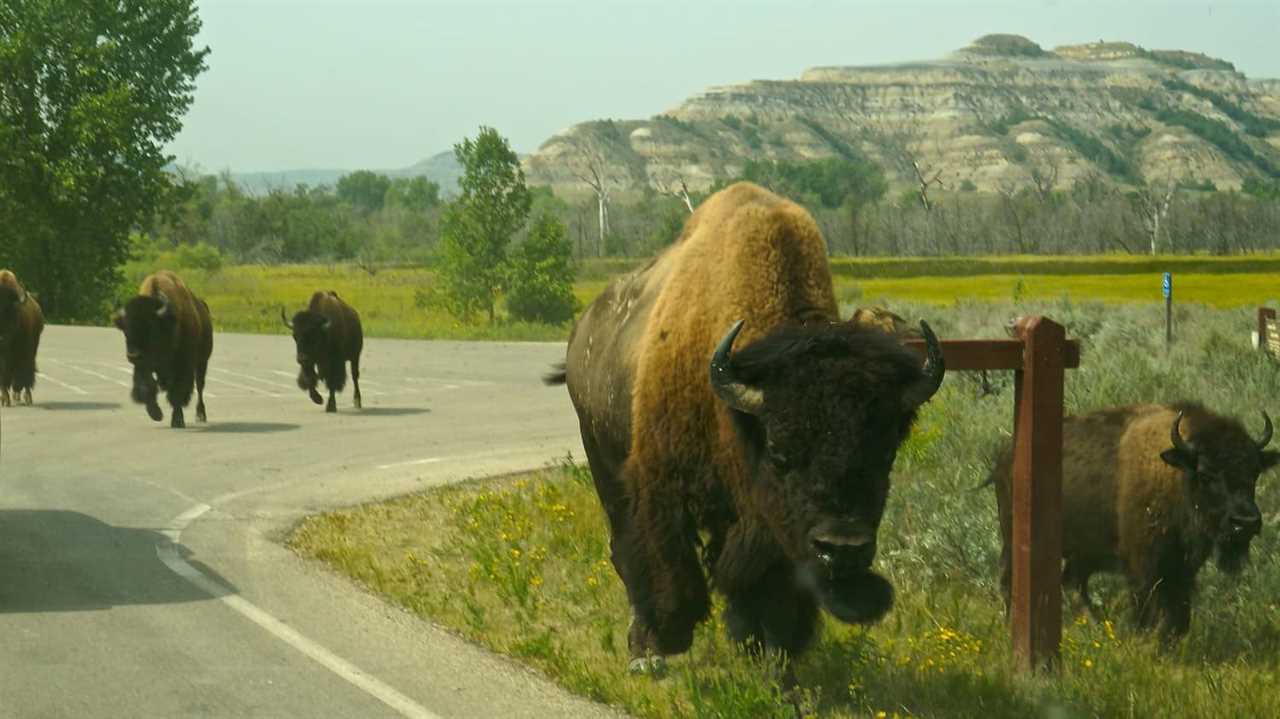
{"x": 60, "y": 383}
{"x": 237, "y": 385}
{"x": 252, "y": 378}
{"x": 283, "y": 374}
{"x": 168, "y": 553}
{"x": 129, "y": 371}
{"x": 91, "y": 373}
{"x": 411, "y": 463}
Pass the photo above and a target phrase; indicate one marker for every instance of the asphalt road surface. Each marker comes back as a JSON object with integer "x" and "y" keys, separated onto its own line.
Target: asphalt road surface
{"x": 141, "y": 567}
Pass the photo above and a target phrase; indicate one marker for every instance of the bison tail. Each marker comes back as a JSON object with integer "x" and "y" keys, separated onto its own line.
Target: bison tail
{"x": 557, "y": 375}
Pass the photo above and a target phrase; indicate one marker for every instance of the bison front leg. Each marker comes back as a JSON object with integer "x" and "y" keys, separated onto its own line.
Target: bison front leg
{"x": 665, "y": 583}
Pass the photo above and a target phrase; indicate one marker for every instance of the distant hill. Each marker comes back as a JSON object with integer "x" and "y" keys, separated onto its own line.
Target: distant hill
{"x": 1001, "y": 113}
{"x": 442, "y": 169}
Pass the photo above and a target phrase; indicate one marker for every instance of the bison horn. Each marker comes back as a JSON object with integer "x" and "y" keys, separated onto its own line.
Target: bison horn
{"x": 165, "y": 308}
{"x": 738, "y": 395}
{"x": 1175, "y": 436}
{"x": 284, "y": 318}
{"x": 23, "y": 298}
{"x": 1266, "y": 432}
{"x": 934, "y": 368}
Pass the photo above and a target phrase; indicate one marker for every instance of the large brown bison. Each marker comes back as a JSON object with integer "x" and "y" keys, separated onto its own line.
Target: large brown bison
{"x": 21, "y": 323}
{"x": 767, "y": 467}
{"x": 326, "y": 336}
{"x": 1151, "y": 491}
{"x": 168, "y": 338}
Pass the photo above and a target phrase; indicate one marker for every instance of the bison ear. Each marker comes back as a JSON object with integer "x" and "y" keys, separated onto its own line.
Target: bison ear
{"x": 1179, "y": 459}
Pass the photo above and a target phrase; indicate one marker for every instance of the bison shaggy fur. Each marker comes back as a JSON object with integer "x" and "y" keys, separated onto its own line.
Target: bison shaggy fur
{"x": 1151, "y": 492}
{"x": 168, "y": 335}
{"x": 326, "y": 336}
{"x": 761, "y": 473}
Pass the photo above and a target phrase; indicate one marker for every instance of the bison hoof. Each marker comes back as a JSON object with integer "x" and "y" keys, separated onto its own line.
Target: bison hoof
{"x": 201, "y": 416}
{"x": 315, "y": 397}
{"x": 358, "y": 404}
{"x": 154, "y": 412}
{"x": 26, "y": 398}
{"x": 176, "y": 422}
{"x": 4, "y": 399}
{"x": 655, "y": 666}
{"x": 331, "y": 407}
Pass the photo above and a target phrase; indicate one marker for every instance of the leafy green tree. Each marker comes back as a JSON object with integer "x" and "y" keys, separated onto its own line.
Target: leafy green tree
{"x": 417, "y": 194}
{"x": 541, "y": 274}
{"x": 90, "y": 92}
{"x": 477, "y": 227}
{"x": 363, "y": 189}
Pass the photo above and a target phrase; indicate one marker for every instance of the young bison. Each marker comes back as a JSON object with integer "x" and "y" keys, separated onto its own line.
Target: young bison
{"x": 1151, "y": 491}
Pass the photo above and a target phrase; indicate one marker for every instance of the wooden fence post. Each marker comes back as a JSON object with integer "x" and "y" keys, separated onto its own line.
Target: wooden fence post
{"x": 1036, "y": 596}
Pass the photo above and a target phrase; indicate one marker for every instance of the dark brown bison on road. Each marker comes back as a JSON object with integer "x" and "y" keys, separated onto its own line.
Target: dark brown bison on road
{"x": 168, "y": 337}
{"x": 780, "y": 457}
{"x": 1151, "y": 491}
{"x": 21, "y": 323}
{"x": 327, "y": 335}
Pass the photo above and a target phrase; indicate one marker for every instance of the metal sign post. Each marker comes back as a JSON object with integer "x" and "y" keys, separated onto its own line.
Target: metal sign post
{"x": 1167, "y": 287}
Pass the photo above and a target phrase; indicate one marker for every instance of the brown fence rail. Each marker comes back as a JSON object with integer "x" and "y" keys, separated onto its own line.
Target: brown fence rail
{"x": 1039, "y": 356}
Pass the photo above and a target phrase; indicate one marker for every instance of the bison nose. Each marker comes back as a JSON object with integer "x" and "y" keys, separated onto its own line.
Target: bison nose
{"x": 844, "y": 546}
{"x": 1246, "y": 523}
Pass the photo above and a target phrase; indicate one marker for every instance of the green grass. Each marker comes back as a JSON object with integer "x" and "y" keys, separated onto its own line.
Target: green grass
{"x": 521, "y": 564}
{"x": 248, "y": 298}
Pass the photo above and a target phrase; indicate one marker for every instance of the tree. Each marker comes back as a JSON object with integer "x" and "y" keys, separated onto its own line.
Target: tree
{"x": 589, "y": 163}
{"x": 541, "y": 274}
{"x": 90, "y": 92}
{"x": 417, "y": 194}
{"x": 477, "y": 227}
{"x": 363, "y": 190}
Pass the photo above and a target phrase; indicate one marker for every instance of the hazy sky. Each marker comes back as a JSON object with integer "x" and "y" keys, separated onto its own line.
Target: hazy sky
{"x": 373, "y": 84}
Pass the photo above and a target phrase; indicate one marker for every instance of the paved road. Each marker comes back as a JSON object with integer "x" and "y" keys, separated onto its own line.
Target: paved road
{"x": 141, "y": 570}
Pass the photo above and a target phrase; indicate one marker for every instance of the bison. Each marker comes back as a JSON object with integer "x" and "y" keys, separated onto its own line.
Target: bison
{"x": 766, "y": 468}
{"x": 1151, "y": 491}
{"x": 168, "y": 336}
{"x": 21, "y": 323}
{"x": 327, "y": 335}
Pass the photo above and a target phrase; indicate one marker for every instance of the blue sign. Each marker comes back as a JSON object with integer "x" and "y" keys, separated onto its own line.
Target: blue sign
{"x": 1167, "y": 285}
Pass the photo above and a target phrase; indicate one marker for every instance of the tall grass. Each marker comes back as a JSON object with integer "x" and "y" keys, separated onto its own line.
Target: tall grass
{"x": 522, "y": 566}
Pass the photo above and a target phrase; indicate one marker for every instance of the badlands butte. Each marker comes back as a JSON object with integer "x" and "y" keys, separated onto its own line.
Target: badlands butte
{"x": 1000, "y": 113}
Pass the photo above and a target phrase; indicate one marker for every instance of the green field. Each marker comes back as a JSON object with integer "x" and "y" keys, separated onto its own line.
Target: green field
{"x": 521, "y": 565}
{"x": 248, "y": 298}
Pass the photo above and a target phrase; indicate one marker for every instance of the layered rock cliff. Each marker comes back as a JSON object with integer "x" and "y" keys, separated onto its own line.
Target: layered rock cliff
{"x": 1000, "y": 114}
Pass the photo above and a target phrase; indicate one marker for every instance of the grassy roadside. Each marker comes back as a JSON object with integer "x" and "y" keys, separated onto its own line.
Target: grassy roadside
{"x": 248, "y": 298}
{"x": 521, "y": 565}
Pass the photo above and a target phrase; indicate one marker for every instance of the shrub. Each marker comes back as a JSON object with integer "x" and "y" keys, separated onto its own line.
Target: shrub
{"x": 200, "y": 256}
{"x": 541, "y": 275}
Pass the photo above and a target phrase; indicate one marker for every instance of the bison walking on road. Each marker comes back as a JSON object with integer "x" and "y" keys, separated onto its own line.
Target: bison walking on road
{"x": 168, "y": 336}
{"x": 767, "y": 468}
{"x": 21, "y": 323}
{"x": 1151, "y": 491}
{"x": 327, "y": 335}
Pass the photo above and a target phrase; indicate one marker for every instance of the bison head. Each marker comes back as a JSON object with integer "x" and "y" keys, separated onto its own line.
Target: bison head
{"x": 11, "y": 301}
{"x": 310, "y": 335}
{"x": 1221, "y": 464}
{"x": 820, "y": 412}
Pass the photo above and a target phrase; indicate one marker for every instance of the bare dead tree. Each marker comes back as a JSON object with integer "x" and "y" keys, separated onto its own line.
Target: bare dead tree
{"x": 676, "y": 187}
{"x": 1008, "y": 199}
{"x": 1044, "y": 166}
{"x": 589, "y": 165}
{"x": 900, "y": 143}
{"x": 1155, "y": 207}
